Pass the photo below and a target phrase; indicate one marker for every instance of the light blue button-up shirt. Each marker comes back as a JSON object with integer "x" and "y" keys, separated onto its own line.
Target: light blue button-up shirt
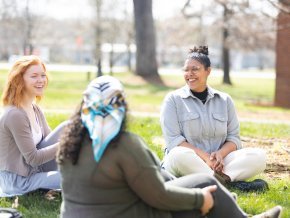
{"x": 207, "y": 126}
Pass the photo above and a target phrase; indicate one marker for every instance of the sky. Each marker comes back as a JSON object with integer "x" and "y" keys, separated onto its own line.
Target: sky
{"x": 162, "y": 9}
{"x": 62, "y": 9}
{"x": 166, "y": 8}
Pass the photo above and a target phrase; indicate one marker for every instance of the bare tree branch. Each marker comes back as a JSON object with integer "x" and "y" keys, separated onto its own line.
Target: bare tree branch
{"x": 187, "y": 15}
{"x": 283, "y": 6}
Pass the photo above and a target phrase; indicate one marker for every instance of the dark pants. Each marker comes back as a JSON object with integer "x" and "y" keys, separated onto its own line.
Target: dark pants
{"x": 225, "y": 205}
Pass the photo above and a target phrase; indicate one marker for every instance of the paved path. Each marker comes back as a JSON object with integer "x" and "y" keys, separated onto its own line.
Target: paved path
{"x": 156, "y": 115}
{"x": 217, "y": 73}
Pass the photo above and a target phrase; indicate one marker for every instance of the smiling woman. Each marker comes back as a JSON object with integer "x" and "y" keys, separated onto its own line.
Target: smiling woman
{"x": 202, "y": 132}
{"x": 35, "y": 80}
{"x": 27, "y": 145}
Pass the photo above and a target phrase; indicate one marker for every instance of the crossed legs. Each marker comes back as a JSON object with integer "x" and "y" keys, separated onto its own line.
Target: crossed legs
{"x": 239, "y": 165}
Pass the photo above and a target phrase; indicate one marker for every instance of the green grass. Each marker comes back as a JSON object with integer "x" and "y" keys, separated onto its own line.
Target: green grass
{"x": 278, "y": 194}
{"x": 65, "y": 89}
{"x": 64, "y": 92}
{"x": 55, "y": 119}
{"x": 150, "y": 131}
{"x": 36, "y": 205}
{"x": 268, "y": 130}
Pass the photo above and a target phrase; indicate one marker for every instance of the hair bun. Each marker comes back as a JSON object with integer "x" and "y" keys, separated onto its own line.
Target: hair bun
{"x": 203, "y": 49}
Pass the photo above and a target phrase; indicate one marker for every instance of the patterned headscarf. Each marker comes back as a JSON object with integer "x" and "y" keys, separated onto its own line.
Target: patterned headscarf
{"x": 103, "y": 112}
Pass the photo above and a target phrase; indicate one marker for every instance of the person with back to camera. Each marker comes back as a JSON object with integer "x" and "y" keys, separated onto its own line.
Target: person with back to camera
{"x": 201, "y": 130}
{"x": 27, "y": 146}
{"x": 109, "y": 172}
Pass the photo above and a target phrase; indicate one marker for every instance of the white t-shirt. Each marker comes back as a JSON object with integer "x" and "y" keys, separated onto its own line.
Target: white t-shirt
{"x": 37, "y": 134}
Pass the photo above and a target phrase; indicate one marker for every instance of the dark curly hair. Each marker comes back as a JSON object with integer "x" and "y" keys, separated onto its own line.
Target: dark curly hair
{"x": 200, "y": 54}
{"x": 73, "y": 136}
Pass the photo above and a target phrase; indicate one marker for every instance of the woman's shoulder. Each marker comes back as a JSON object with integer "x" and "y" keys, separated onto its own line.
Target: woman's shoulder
{"x": 13, "y": 111}
{"x": 132, "y": 141}
{"x": 129, "y": 138}
{"x": 221, "y": 94}
{"x": 134, "y": 145}
{"x": 182, "y": 92}
{"x": 12, "y": 116}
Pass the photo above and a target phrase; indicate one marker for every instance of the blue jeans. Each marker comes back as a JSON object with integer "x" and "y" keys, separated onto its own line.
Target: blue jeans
{"x": 45, "y": 176}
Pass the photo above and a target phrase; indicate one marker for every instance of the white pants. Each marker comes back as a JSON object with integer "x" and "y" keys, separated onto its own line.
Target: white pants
{"x": 239, "y": 165}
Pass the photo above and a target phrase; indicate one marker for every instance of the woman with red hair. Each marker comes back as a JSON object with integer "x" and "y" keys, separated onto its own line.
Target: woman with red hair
{"x": 27, "y": 145}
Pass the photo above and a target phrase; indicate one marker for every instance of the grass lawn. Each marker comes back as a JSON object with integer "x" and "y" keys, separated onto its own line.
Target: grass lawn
{"x": 250, "y": 96}
{"x": 65, "y": 89}
{"x": 36, "y": 205}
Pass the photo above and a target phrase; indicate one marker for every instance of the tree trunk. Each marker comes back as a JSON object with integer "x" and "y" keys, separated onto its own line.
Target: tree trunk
{"x": 129, "y": 56}
{"x": 225, "y": 49}
{"x": 282, "y": 90}
{"x": 99, "y": 39}
{"x": 111, "y": 59}
{"x": 28, "y": 47}
{"x": 226, "y": 64}
{"x": 146, "y": 64}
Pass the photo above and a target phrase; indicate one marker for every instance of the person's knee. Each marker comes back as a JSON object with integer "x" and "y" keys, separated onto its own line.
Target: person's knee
{"x": 198, "y": 180}
{"x": 262, "y": 155}
{"x": 181, "y": 150}
{"x": 261, "y": 160}
{"x": 204, "y": 180}
{"x": 181, "y": 160}
{"x": 257, "y": 156}
{"x": 209, "y": 179}
{"x": 181, "y": 154}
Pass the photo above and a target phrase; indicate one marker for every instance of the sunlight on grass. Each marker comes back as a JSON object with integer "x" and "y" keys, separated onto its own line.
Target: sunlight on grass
{"x": 54, "y": 119}
{"x": 36, "y": 205}
{"x": 278, "y": 194}
{"x": 65, "y": 89}
{"x": 269, "y": 130}
{"x": 250, "y": 95}
{"x": 149, "y": 129}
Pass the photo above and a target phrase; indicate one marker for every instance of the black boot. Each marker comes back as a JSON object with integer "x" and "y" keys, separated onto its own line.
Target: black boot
{"x": 257, "y": 185}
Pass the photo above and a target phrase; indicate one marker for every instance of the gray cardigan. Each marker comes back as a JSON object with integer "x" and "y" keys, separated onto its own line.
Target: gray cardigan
{"x": 126, "y": 183}
{"x": 18, "y": 154}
